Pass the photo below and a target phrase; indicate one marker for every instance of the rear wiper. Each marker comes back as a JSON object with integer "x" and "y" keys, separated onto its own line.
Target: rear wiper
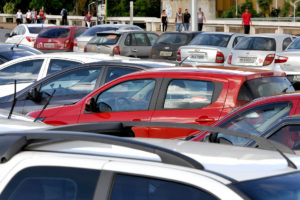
{"x": 180, "y": 63}
{"x": 285, "y": 89}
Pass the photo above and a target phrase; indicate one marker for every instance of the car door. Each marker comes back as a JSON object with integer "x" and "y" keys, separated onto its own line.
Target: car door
{"x": 194, "y": 100}
{"x": 141, "y": 46}
{"x": 16, "y": 35}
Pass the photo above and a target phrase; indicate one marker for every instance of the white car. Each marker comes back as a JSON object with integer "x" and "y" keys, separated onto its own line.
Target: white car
{"x": 25, "y": 34}
{"x": 29, "y": 69}
{"x": 258, "y": 51}
{"x": 209, "y": 48}
{"x": 59, "y": 165}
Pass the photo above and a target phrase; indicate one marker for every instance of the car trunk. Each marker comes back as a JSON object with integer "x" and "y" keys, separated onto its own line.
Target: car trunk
{"x": 250, "y": 58}
{"x": 81, "y": 42}
{"x": 292, "y": 62}
{"x": 200, "y": 54}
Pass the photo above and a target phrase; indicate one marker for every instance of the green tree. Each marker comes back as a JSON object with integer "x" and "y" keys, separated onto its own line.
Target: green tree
{"x": 264, "y": 5}
{"x": 285, "y": 11}
{"x": 9, "y": 8}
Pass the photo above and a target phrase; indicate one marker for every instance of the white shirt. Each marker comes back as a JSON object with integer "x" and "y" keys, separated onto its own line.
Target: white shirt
{"x": 19, "y": 15}
{"x": 28, "y": 15}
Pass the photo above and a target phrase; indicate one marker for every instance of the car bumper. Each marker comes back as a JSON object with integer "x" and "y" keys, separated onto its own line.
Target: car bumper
{"x": 55, "y": 50}
{"x": 202, "y": 64}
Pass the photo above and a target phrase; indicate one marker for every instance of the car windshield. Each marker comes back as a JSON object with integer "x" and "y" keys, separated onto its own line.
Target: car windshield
{"x": 94, "y": 30}
{"x": 285, "y": 186}
{"x": 219, "y": 40}
{"x": 35, "y": 30}
{"x": 256, "y": 43}
{"x": 54, "y": 33}
{"x": 105, "y": 39}
{"x": 169, "y": 38}
{"x": 295, "y": 44}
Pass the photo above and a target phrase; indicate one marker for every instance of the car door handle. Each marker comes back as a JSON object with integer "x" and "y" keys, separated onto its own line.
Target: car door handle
{"x": 134, "y": 50}
{"x": 205, "y": 119}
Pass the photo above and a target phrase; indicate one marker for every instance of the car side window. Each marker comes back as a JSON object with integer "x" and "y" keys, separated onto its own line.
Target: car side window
{"x": 146, "y": 188}
{"x": 286, "y": 43}
{"x": 116, "y": 72}
{"x": 128, "y": 40}
{"x": 255, "y": 121}
{"x": 22, "y": 30}
{"x": 130, "y": 95}
{"x": 141, "y": 39}
{"x": 26, "y": 71}
{"x": 59, "y": 183}
{"x": 188, "y": 94}
{"x": 288, "y": 135}
{"x": 236, "y": 40}
{"x": 152, "y": 38}
{"x": 58, "y": 65}
{"x": 81, "y": 81}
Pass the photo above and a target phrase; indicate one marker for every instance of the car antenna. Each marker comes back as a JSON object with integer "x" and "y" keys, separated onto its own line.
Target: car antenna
{"x": 180, "y": 63}
{"x": 45, "y": 106}
{"x": 14, "y": 101}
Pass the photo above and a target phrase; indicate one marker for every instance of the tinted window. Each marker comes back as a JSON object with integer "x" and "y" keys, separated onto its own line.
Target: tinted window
{"x": 59, "y": 183}
{"x": 256, "y": 43}
{"x": 79, "y": 31}
{"x": 141, "y": 39}
{"x": 92, "y": 31}
{"x": 58, "y": 65}
{"x": 129, "y": 95}
{"x": 130, "y": 40}
{"x": 16, "y": 53}
{"x": 54, "y": 33}
{"x": 105, "y": 39}
{"x": 289, "y": 136}
{"x": 236, "y": 40}
{"x": 116, "y": 72}
{"x": 255, "y": 121}
{"x": 22, "y": 30}
{"x": 295, "y": 44}
{"x": 139, "y": 188}
{"x": 188, "y": 94}
{"x": 26, "y": 71}
{"x": 35, "y": 30}
{"x": 80, "y": 81}
{"x": 177, "y": 39}
{"x": 152, "y": 38}
{"x": 286, "y": 43}
{"x": 211, "y": 40}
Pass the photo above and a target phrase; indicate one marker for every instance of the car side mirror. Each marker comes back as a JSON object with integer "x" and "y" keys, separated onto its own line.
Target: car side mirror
{"x": 104, "y": 107}
{"x": 34, "y": 95}
{"x": 91, "y": 105}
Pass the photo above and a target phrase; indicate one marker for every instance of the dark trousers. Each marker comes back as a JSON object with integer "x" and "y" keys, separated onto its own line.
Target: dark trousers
{"x": 200, "y": 25}
{"x": 19, "y": 21}
{"x": 246, "y": 29}
{"x": 64, "y": 21}
{"x": 165, "y": 26}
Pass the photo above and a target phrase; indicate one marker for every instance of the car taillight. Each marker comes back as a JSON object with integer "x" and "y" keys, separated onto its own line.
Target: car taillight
{"x": 178, "y": 57}
{"x": 75, "y": 43}
{"x": 116, "y": 50}
{"x": 85, "y": 49}
{"x": 281, "y": 59}
{"x": 269, "y": 59}
{"x": 219, "y": 57}
{"x": 67, "y": 42}
{"x": 30, "y": 39}
{"x": 229, "y": 59}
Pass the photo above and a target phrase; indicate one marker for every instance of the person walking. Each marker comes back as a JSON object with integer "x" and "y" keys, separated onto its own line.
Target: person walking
{"x": 201, "y": 18}
{"x": 42, "y": 16}
{"x": 28, "y": 17}
{"x": 87, "y": 19}
{"x": 64, "y": 14}
{"x": 186, "y": 20}
{"x": 19, "y": 17}
{"x": 246, "y": 21}
{"x": 33, "y": 16}
{"x": 164, "y": 20}
{"x": 179, "y": 20}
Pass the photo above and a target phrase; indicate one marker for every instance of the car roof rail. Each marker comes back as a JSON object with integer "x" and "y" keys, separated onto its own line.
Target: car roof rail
{"x": 12, "y": 143}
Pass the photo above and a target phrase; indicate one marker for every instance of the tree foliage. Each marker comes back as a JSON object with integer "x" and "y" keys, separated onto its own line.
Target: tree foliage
{"x": 264, "y": 5}
{"x": 230, "y": 13}
{"x": 285, "y": 11}
{"x": 9, "y": 8}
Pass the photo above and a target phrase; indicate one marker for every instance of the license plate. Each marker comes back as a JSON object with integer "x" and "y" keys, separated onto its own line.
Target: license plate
{"x": 93, "y": 48}
{"x": 247, "y": 59}
{"x": 165, "y": 53}
{"x": 296, "y": 78}
{"x": 49, "y": 45}
{"x": 199, "y": 56}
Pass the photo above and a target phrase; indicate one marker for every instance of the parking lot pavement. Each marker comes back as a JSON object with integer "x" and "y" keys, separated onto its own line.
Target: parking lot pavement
{"x": 2, "y": 34}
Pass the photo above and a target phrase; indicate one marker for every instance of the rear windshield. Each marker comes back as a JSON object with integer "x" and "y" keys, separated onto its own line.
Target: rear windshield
{"x": 218, "y": 40}
{"x": 256, "y": 43}
{"x": 295, "y": 44}
{"x": 11, "y": 55}
{"x": 54, "y": 33}
{"x": 105, "y": 39}
{"x": 178, "y": 39}
{"x": 93, "y": 31}
{"x": 35, "y": 30}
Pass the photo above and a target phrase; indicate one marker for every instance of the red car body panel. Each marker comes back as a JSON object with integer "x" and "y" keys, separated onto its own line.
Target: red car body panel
{"x": 225, "y": 102}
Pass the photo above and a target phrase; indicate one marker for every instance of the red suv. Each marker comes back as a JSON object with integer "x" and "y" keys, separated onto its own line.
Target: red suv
{"x": 58, "y": 38}
{"x": 188, "y": 95}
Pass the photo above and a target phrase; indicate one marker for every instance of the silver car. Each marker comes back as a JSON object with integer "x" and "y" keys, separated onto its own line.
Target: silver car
{"x": 82, "y": 40}
{"x": 258, "y": 51}
{"x": 124, "y": 43}
{"x": 208, "y": 48}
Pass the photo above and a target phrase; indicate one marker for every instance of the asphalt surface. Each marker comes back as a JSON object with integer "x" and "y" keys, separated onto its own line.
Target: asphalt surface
{"x": 2, "y": 34}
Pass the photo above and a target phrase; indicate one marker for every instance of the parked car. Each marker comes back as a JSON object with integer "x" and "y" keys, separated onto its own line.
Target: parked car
{"x": 259, "y": 50}
{"x": 64, "y": 166}
{"x": 124, "y": 43}
{"x": 29, "y": 69}
{"x": 59, "y": 38}
{"x": 25, "y": 34}
{"x": 208, "y": 48}
{"x": 188, "y": 95}
{"x": 167, "y": 44}
{"x": 11, "y": 53}
{"x": 81, "y": 41}
{"x": 72, "y": 84}
{"x": 255, "y": 118}
{"x": 24, "y": 47}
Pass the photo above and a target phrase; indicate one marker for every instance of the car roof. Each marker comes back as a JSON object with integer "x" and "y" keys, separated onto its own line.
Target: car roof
{"x": 219, "y": 33}
{"x": 270, "y": 35}
{"x": 69, "y": 27}
{"x": 39, "y": 25}
{"x": 124, "y": 31}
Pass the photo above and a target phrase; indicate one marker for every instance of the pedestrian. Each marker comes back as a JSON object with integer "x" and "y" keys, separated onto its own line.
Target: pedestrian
{"x": 246, "y": 21}
{"x": 28, "y": 17}
{"x": 64, "y": 14}
{"x": 19, "y": 17}
{"x": 178, "y": 20}
{"x": 186, "y": 20}
{"x": 33, "y": 16}
{"x": 164, "y": 20}
{"x": 201, "y": 18}
{"x": 87, "y": 19}
{"x": 42, "y": 16}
